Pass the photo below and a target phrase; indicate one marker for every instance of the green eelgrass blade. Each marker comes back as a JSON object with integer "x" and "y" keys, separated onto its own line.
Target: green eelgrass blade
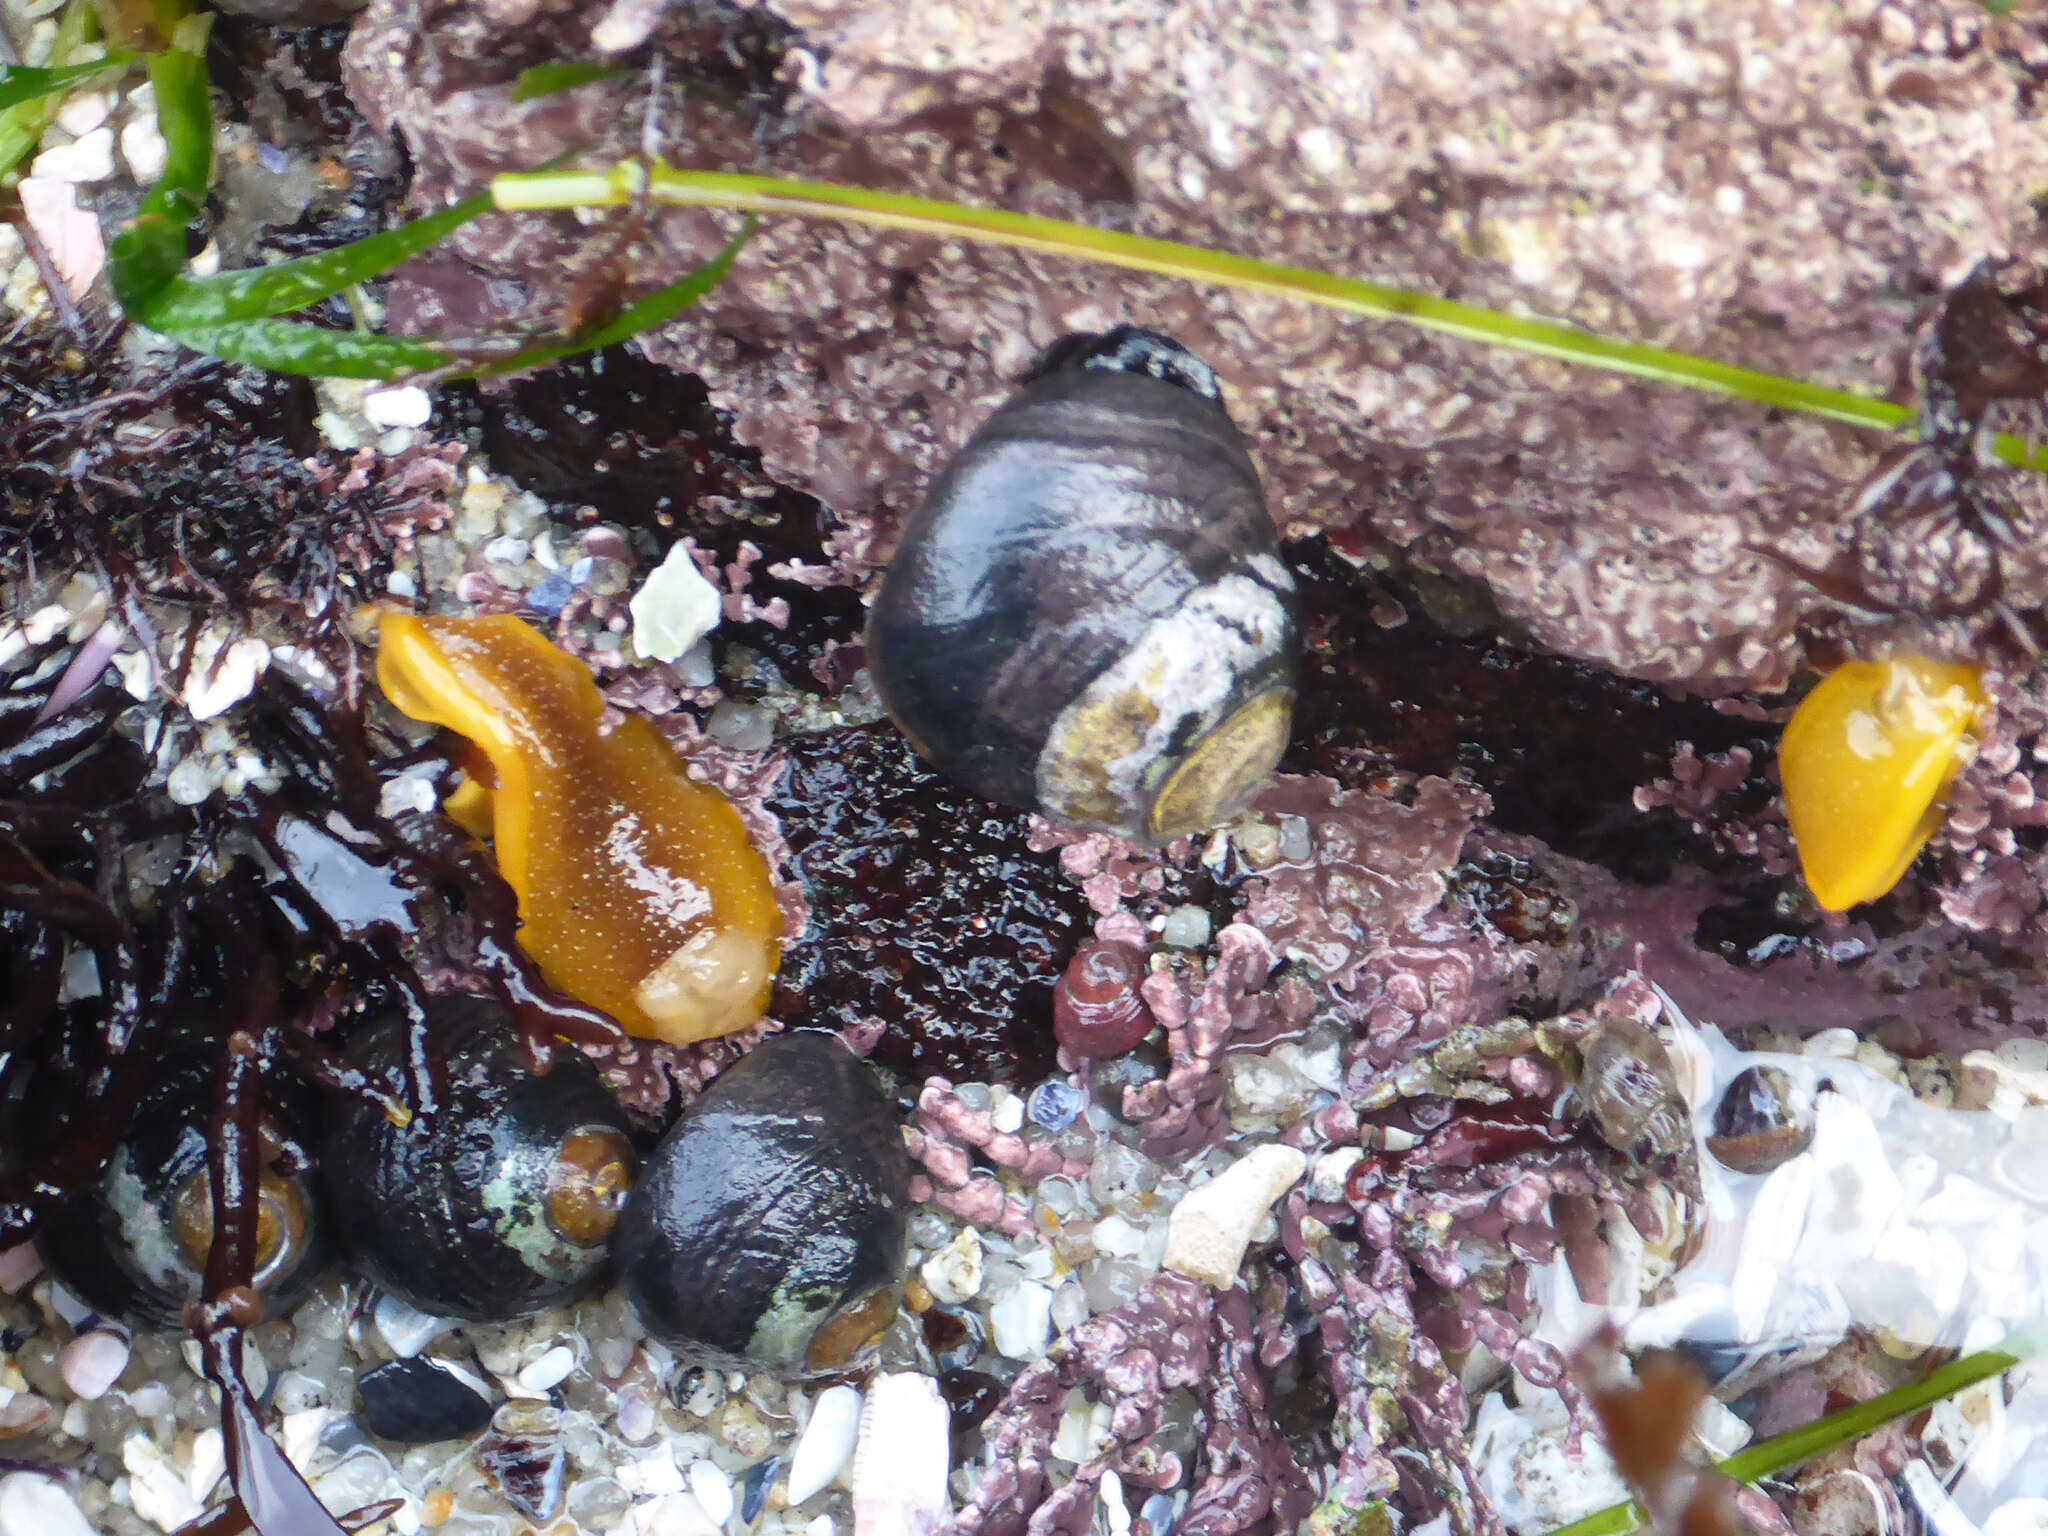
{"x": 1852, "y": 1423}
{"x": 289, "y": 346}
{"x": 23, "y": 125}
{"x": 147, "y": 255}
{"x": 548, "y": 79}
{"x": 658, "y": 308}
{"x": 21, "y": 83}
{"x": 1549, "y": 338}
{"x": 256, "y": 293}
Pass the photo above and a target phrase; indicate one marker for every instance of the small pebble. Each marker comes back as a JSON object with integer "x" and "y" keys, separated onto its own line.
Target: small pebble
{"x": 33, "y": 1505}
{"x": 713, "y": 1490}
{"x": 401, "y": 1325}
{"x": 740, "y": 727}
{"x": 1186, "y": 928}
{"x": 827, "y": 1440}
{"x": 1055, "y": 1104}
{"x": 754, "y": 1490}
{"x": 19, "y": 1265}
{"x": 1157, "y": 1512}
{"x": 1021, "y": 1320}
{"x": 551, "y": 595}
{"x": 674, "y": 608}
{"x": 406, "y": 406}
{"x": 422, "y": 1400}
{"x": 93, "y": 1362}
{"x": 549, "y": 1371}
{"x": 1007, "y": 1113}
{"x": 954, "y": 1273}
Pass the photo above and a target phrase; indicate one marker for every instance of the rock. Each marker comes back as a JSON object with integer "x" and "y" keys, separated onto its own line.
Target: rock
{"x": 1213, "y": 1224}
{"x": 826, "y": 1442}
{"x": 93, "y": 1362}
{"x": 674, "y": 608}
{"x": 712, "y": 1490}
{"x": 423, "y": 1399}
{"x": 953, "y": 1274}
{"x": 34, "y": 1505}
{"x": 901, "y": 1461}
{"x": 1021, "y": 1320}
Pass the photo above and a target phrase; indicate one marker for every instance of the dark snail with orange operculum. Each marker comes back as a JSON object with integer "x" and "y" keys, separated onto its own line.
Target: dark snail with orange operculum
{"x": 502, "y": 1203}
{"x": 1089, "y": 617}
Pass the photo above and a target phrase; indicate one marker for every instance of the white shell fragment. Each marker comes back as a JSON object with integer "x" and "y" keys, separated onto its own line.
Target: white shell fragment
{"x": 825, "y": 1444}
{"x": 674, "y": 608}
{"x": 32, "y": 1505}
{"x": 953, "y": 1274}
{"x": 1212, "y": 1225}
{"x": 1021, "y": 1320}
{"x": 901, "y": 1462}
{"x": 406, "y": 406}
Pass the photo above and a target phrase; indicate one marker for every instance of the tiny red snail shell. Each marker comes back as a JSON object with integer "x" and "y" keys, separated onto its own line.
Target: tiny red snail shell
{"x": 1864, "y": 761}
{"x": 1088, "y": 617}
{"x": 1097, "y": 1011}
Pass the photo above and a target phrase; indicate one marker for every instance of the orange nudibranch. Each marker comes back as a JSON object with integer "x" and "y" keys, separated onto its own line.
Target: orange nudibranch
{"x": 639, "y": 891}
{"x": 1864, "y": 762}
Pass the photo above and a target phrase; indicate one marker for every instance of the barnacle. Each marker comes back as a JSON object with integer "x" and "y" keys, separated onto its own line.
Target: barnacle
{"x": 1864, "y": 761}
{"x": 638, "y": 889}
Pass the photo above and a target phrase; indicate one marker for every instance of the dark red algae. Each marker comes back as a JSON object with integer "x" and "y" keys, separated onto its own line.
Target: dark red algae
{"x": 928, "y": 911}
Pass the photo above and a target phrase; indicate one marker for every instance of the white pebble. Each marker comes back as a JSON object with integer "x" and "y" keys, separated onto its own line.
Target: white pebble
{"x": 402, "y": 1325}
{"x": 654, "y": 1476}
{"x": 32, "y": 1505}
{"x": 209, "y": 1463}
{"x": 1007, "y": 1112}
{"x": 222, "y": 672}
{"x": 674, "y": 608}
{"x": 142, "y": 146}
{"x": 406, "y": 406}
{"x": 85, "y": 111}
{"x": 2024, "y": 1516}
{"x": 822, "y": 1526}
{"x": 1186, "y": 928}
{"x": 953, "y": 1274}
{"x": 547, "y": 1372}
{"x": 1069, "y": 1306}
{"x": 713, "y": 1490}
{"x": 676, "y": 1515}
{"x": 91, "y": 1363}
{"x": 1111, "y": 1491}
{"x": 824, "y": 1445}
{"x": 1212, "y": 1225}
{"x": 156, "y": 1488}
{"x": 900, "y": 1465}
{"x": 406, "y": 792}
{"x": 87, "y": 158}
{"x": 1021, "y": 1320}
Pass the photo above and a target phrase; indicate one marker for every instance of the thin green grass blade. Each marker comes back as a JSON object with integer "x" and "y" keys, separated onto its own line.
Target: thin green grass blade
{"x": 21, "y": 83}
{"x": 257, "y": 293}
{"x": 23, "y": 125}
{"x": 1781, "y": 1452}
{"x": 1547, "y": 338}
{"x": 147, "y": 255}
{"x": 551, "y": 79}
{"x": 289, "y": 346}
{"x": 657, "y": 309}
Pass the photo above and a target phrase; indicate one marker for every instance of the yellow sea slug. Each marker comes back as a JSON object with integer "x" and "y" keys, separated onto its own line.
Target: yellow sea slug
{"x": 639, "y": 892}
{"x": 1864, "y": 761}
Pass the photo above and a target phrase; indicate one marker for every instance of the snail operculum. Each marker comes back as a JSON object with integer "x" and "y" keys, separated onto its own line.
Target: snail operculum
{"x": 136, "y": 1246}
{"x": 504, "y": 1200}
{"x": 1089, "y": 616}
{"x": 770, "y": 1227}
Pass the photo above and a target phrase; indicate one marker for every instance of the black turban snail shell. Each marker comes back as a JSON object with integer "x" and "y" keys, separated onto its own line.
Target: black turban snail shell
{"x": 769, "y": 1228}
{"x": 135, "y": 1246}
{"x": 505, "y": 1201}
{"x": 1089, "y": 617}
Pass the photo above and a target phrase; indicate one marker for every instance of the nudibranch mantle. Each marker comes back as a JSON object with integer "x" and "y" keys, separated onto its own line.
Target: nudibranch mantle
{"x": 638, "y": 889}
{"x": 1864, "y": 761}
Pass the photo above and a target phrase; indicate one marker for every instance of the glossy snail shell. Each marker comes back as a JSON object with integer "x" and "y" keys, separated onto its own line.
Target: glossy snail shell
{"x": 1089, "y": 617}
{"x": 769, "y": 1228}
{"x": 135, "y": 1246}
{"x": 506, "y": 1201}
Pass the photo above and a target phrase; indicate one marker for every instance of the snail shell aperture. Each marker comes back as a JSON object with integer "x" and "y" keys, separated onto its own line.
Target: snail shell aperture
{"x": 1089, "y": 616}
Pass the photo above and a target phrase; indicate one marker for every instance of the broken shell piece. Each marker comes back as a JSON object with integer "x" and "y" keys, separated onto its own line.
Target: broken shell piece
{"x": 674, "y": 608}
{"x": 1212, "y": 1225}
{"x": 902, "y": 1459}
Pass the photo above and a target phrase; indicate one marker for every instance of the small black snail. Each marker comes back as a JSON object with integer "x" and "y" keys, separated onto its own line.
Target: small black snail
{"x": 135, "y": 1247}
{"x": 1089, "y": 617}
{"x": 505, "y": 1204}
{"x": 769, "y": 1228}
